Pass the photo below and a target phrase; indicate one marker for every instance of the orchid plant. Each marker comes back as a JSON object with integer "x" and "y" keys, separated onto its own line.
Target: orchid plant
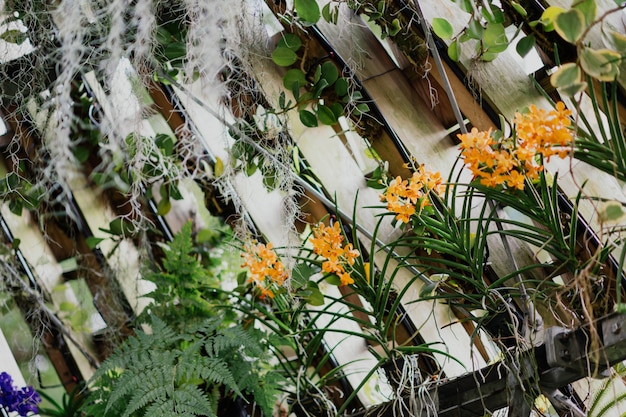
{"x": 23, "y": 400}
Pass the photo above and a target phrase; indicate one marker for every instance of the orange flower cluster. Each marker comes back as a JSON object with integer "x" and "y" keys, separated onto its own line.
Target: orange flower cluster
{"x": 508, "y": 161}
{"x": 402, "y": 196}
{"x": 327, "y": 243}
{"x": 265, "y": 267}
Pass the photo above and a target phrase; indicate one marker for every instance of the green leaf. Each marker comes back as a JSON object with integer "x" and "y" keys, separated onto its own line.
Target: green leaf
{"x": 588, "y": 8}
{"x": 284, "y": 57}
{"x": 319, "y": 87}
{"x": 395, "y": 27}
{"x": 308, "y": 11}
{"x": 69, "y": 265}
{"x": 326, "y": 115}
{"x": 465, "y": 5}
{"x": 442, "y": 28}
{"x": 489, "y": 56}
{"x": 175, "y": 51}
{"x": 81, "y": 153}
{"x": 333, "y": 280}
{"x": 495, "y": 38}
{"x": 164, "y": 206}
{"x": 493, "y": 14}
{"x": 165, "y": 143}
{"x": 294, "y": 78}
{"x": 525, "y": 44}
{"x": 329, "y": 72}
{"x": 548, "y": 16}
{"x": 519, "y": 9}
{"x": 307, "y": 118}
{"x": 454, "y": 50}
{"x": 337, "y": 109}
{"x": 290, "y": 41}
{"x": 218, "y": 169}
{"x": 360, "y": 109}
{"x": 326, "y": 14}
{"x": 428, "y": 289}
{"x": 566, "y": 75}
{"x": 67, "y": 306}
{"x": 301, "y": 274}
{"x": 93, "y": 241}
{"x": 341, "y": 87}
{"x": 602, "y": 64}
{"x": 570, "y": 25}
{"x": 119, "y": 226}
{"x": 612, "y": 212}
{"x": 573, "y": 89}
{"x": 475, "y": 29}
{"x": 269, "y": 181}
{"x": 317, "y": 74}
{"x": 14, "y": 36}
{"x": 315, "y": 297}
{"x": 616, "y": 39}
{"x": 16, "y": 206}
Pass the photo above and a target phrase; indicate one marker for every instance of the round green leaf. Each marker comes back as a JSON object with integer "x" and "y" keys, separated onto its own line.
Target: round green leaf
{"x": 548, "y": 16}
{"x": 442, "y": 28}
{"x": 570, "y": 25}
{"x": 588, "y": 8}
{"x": 164, "y": 206}
{"x": 337, "y": 109}
{"x": 573, "y": 89}
{"x": 566, "y": 75}
{"x": 284, "y": 57}
{"x": 14, "y": 36}
{"x": 494, "y": 38}
{"x": 308, "y": 11}
{"x": 307, "y": 118}
{"x": 602, "y": 64}
{"x": 329, "y": 72}
{"x": 326, "y": 115}
{"x": 360, "y": 109}
{"x": 525, "y": 44}
{"x": 454, "y": 50}
{"x": 612, "y": 212}
{"x": 290, "y": 41}
{"x": 293, "y": 77}
{"x": 341, "y": 87}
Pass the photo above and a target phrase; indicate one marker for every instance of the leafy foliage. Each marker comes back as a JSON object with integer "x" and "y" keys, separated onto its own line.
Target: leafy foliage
{"x": 166, "y": 373}
{"x": 184, "y": 294}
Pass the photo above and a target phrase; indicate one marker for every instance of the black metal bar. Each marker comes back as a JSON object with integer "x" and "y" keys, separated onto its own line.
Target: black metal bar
{"x": 545, "y": 367}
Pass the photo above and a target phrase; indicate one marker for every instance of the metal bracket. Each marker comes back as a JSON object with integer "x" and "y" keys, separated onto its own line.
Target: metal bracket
{"x": 571, "y": 355}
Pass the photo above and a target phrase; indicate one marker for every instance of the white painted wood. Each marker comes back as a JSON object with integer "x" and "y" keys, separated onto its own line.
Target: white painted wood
{"x": 8, "y": 363}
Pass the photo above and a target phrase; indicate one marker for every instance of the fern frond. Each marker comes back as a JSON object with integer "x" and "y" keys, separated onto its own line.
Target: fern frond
{"x": 189, "y": 399}
{"x": 162, "y": 408}
{"x": 600, "y": 403}
{"x": 217, "y": 371}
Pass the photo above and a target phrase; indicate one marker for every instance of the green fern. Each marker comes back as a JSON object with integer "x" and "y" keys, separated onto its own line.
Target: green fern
{"x": 167, "y": 374}
{"x": 606, "y": 398}
{"x": 184, "y": 294}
